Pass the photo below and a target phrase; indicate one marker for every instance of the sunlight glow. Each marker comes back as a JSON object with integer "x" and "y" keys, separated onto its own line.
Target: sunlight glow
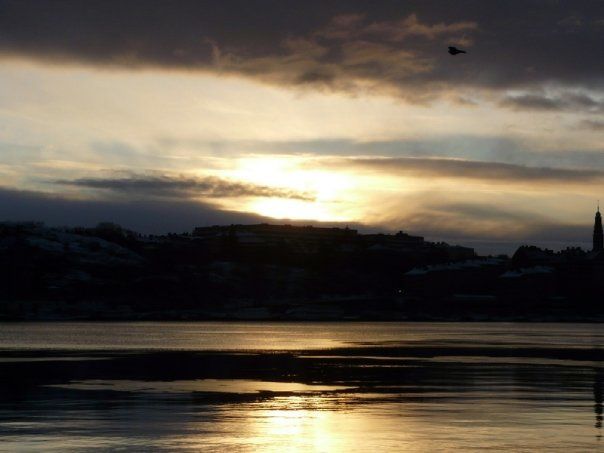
{"x": 327, "y": 188}
{"x": 298, "y": 422}
{"x": 279, "y": 208}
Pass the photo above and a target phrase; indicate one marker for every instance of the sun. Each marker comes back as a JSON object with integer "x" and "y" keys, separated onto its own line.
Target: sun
{"x": 325, "y": 189}
{"x": 279, "y": 208}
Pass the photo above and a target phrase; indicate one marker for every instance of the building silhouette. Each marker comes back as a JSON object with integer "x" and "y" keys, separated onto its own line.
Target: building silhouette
{"x": 598, "y": 243}
{"x": 311, "y": 239}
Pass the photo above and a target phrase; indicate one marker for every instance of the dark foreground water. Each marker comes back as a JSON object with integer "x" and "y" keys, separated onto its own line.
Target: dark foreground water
{"x": 281, "y": 387}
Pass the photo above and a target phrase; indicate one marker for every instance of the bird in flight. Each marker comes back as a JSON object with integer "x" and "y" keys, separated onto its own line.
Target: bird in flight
{"x": 455, "y": 50}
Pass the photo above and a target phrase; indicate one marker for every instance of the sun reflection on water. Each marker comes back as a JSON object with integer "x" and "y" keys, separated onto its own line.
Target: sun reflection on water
{"x": 341, "y": 402}
{"x": 299, "y": 423}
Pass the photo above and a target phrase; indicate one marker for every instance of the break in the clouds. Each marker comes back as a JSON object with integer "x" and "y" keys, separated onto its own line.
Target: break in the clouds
{"x": 171, "y": 186}
{"x": 388, "y": 46}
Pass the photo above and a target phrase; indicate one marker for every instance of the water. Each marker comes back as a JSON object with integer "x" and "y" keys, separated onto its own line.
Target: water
{"x": 208, "y": 336}
{"x": 281, "y": 387}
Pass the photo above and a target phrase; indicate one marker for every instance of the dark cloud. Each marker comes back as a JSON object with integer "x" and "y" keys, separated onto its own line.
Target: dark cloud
{"x": 568, "y": 101}
{"x": 532, "y": 102}
{"x": 594, "y": 125}
{"x": 146, "y": 216}
{"x": 467, "y": 169}
{"x": 182, "y": 186}
{"x": 392, "y": 46}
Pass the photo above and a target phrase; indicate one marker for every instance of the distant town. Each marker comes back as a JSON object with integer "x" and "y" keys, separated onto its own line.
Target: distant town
{"x": 285, "y": 272}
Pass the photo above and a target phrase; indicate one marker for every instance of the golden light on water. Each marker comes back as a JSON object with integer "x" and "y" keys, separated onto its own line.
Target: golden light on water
{"x": 312, "y": 427}
{"x": 318, "y": 423}
{"x": 296, "y": 423}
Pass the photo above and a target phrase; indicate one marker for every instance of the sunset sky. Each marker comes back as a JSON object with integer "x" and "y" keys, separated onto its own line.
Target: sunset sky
{"x": 163, "y": 116}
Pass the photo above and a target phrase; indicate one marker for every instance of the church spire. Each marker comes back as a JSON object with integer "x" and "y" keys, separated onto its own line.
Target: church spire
{"x": 598, "y": 243}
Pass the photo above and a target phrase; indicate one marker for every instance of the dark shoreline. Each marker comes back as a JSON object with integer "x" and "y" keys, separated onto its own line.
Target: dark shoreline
{"x": 389, "y": 320}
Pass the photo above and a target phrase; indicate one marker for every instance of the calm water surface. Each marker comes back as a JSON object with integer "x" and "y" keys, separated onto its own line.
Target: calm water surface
{"x": 301, "y": 387}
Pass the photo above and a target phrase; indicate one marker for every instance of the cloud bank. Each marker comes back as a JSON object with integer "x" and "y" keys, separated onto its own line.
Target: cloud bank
{"x": 153, "y": 216}
{"x": 468, "y": 169}
{"x": 388, "y": 46}
{"x": 182, "y": 186}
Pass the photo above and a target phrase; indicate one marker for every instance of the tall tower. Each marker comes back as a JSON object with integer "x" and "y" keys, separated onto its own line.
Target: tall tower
{"x": 598, "y": 237}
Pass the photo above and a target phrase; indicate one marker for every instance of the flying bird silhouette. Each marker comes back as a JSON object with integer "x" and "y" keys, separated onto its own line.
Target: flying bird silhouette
{"x": 455, "y": 50}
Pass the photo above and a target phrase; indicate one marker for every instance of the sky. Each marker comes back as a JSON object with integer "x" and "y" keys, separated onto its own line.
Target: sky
{"x": 162, "y": 116}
